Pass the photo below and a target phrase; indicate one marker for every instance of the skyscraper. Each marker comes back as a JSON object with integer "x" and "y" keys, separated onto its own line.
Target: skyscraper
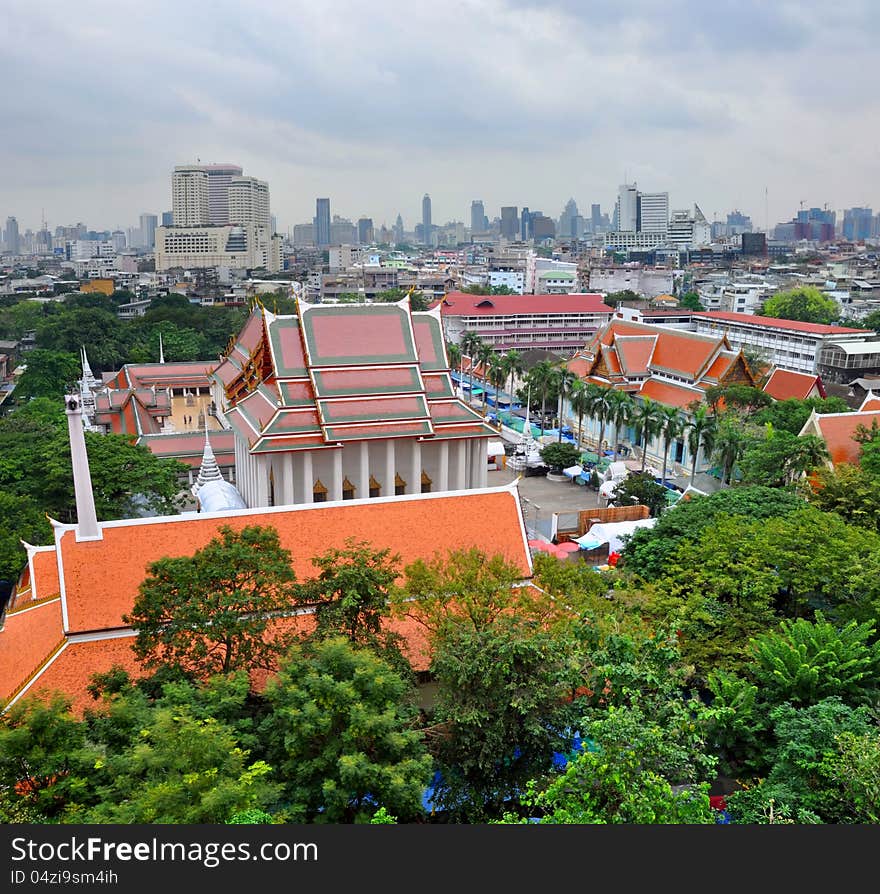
{"x": 857, "y": 224}
{"x": 189, "y": 196}
{"x": 478, "y": 216}
{"x": 510, "y": 222}
{"x": 13, "y": 242}
{"x": 365, "y": 230}
{"x": 653, "y": 212}
{"x": 248, "y": 202}
{"x": 167, "y": 218}
{"x": 627, "y": 209}
{"x": 426, "y": 219}
{"x": 322, "y": 222}
{"x": 596, "y": 217}
{"x": 219, "y": 180}
{"x": 398, "y": 230}
{"x": 525, "y": 225}
{"x": 148, "y": 230}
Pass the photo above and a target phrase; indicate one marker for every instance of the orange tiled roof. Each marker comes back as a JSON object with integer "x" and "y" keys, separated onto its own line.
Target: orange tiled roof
{"x": 681, "y": 352}
{"x": 635, "y": 352}
{"x": 870, "y": 403}
{"x": 28, "y": 638}
{"x": 669, "y": 394}
{"x": 837, "y": 431}
{"x": 784, "y": 384}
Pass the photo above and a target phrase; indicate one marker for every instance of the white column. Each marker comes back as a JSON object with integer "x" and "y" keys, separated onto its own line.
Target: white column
{"x": 388, "y": 483}
{"x": 363, "y": 490}
{"x": 443, "y": 482}
{"x": 308, "y": 481}
{"x": 415, "y": 486}
{"x": 336, "y": 484}
{"x": 460, "y": 466}
{"x": 482, "y": 446}
{"x": 478, "y": 461}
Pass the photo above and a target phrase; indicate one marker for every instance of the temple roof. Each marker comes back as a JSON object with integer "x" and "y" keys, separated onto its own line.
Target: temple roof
{"x": 334, "y": 373}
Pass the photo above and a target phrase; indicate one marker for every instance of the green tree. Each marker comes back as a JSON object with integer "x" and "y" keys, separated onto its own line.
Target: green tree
{"x": 671, "y": 428}
{"x": 805, "y": 303}
{"x": 22, "y": 520}
{"x": 560, "y": 456}
{"x": 500, "y": 714}
{"x": 731, "y": 441}
{"x": 871, "y": 321}
{"x": 47, "y": 374}
{"x": 512, "y": 360}
{"x": 340, "y": 731}
{"x": 701, "y": 428}
{"x": 850, "y": 491}
{"x": 779, "y": 458}
{"x": 690, "y": 301}
{"x": 646, "y": 421}
{"x": 805, "y": 662}
{"x": 210, "y": 612}
{"x": 742, "y": 400}
{"x": 790, "y": 415}
{"x": 485, "y": 353}
{"x": 106, "y": 337}
{"x": 620, "y": 414}
{"x": 643, "y": 489}
{"x": 869, "y": 454}
{"x": 470, "y": 345}
{"x": 453, "y": 354}
{"x": 541, "y": 379}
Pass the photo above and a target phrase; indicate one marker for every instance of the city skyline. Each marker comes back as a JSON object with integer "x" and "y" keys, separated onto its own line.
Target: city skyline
{"x": 709, "y": 104}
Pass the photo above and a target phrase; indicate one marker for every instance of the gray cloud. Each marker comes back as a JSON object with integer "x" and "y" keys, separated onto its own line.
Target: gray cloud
{"x": 511, "y": 101}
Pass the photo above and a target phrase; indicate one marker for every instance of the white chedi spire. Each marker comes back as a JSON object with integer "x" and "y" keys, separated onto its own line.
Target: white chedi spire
{"x": 209, "y": 470}
{"x": 161, "y": 350}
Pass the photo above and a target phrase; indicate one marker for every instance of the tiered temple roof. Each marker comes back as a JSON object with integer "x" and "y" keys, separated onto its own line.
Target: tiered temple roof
{"x": 330, "y": 374}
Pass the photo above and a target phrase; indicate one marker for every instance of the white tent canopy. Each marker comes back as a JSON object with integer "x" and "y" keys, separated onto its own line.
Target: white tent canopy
{"x": 573, "y": 471}
{"x": 611, "y": 533}
{"x": 495, "y": 448}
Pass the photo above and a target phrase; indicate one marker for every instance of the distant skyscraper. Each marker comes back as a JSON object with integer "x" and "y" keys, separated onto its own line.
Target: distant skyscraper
{"x": 857, "y": 224}
{"x": 149, "y": 222}
{"x": 13, "y": 241}
{"x": 248, "y": 202}
{"x": 219, "y": 180}
{"x": 510, "y": 222}
{"x": 365, "y": 230}
{"x": 478, "y": 216}
{"x": 568, "y": 221}
{"x": 426, "y": 219}
{"x": 167, "y": 218}
{"x": 398, "y": 230}
{"x": 525, "y": 228}
{"x": 322, "y": 222}
{"x": 189, "y": 196}
{"x": 653, "y": 212}
{"x": 596, "y": 217}
{"x": 627, "y": 210}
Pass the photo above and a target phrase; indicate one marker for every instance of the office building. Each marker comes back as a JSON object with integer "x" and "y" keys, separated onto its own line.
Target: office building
{"x": 653, "y": 212}
{"x": 11, "y": 239}
{"x": 322, "y": 222}
{"x": 245, "y": 247}
{"x": 857, "y": 224}
{"x": 627, "y": 209}
{"x": 189, "y": 196}
{"x": 167, "y": 218}
{"x": 426, "y": 220}
{"x": 149, "y": 222}
{"x": 365, "y": 230}
{"x": 249, "y": 202}
{"x": 219, "y": 180}
{"x": 398, "y": 231}
{"x": 304, "y": 234}
{"x": 342, "y": 231}
{"x": 596, "y": 218}
{"x": 509, "y": 223}
{"x": 478, "y": 216}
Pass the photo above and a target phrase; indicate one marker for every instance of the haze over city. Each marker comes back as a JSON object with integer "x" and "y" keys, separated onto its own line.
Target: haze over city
{"x": 514, "y": 103}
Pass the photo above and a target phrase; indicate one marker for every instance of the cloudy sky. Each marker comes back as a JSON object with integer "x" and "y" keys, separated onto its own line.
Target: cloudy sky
{"x": 374, "y": 104}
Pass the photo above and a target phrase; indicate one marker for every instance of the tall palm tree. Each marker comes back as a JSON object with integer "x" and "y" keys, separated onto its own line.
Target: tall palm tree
{"x": 701, "y": 430}
{"x": 497, "y": 374}
{"x": 565, "y": 379}
{"x": 620, "y": 413}
{"x": 730, "y": 441}
{"x": 470, "y": 343}
{"x": 646, "y": 422}
{"x": 484, "y": 354}
{"x": 809, "y": 454}
{"x": 578, "y": 400}
{"x": 453, "y": 354}
{"x": 514, "y": 366}
{"x": 541, "y": 377}
{"x": 601, "y": 402}
{"x": 671, "y": 427}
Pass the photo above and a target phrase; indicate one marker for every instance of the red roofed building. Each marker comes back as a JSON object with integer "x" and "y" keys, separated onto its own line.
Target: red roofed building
{"x": 838, "y": 430}
{"x": 560, "y": 323}
{"x": 673, "y": 367}
{"x": 346, "y": 401}
{"x": 64, "y": 621}
{"x": 784, "y": 384}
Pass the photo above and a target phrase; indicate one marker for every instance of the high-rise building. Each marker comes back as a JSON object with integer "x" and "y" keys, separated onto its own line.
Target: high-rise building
{"x": 167, "y": 218}
{"x": 248, "y": 202}
{"x": 117, "y": 237}
{"x": 342, "y": 231}
{"x": 857, "y": 224}
{"x": 653, "y": 212}
{"x": 322, "y": 222}
{"x": 398, "y": 230}
{"x": 365, "y": 230}
{"x": 510, "y": 222}
{"x": 596, "y": 218}
{"x": 219, "y": 180}
{"x": 525, "y": 225}
{"x": 189, "y": 196}
{"x": 149, "y": 222}
{"x": 478, "y": 216}
{"x": 627, "y": 208}
{"x": 426, "y": 219}
{"x": 12, "y": 239}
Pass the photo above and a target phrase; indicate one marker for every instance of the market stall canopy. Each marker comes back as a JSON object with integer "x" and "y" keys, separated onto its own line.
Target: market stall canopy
{"x": 612, "y": 533}
{"x": 573, "y": 471}
{"x": 495, "y": 448}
